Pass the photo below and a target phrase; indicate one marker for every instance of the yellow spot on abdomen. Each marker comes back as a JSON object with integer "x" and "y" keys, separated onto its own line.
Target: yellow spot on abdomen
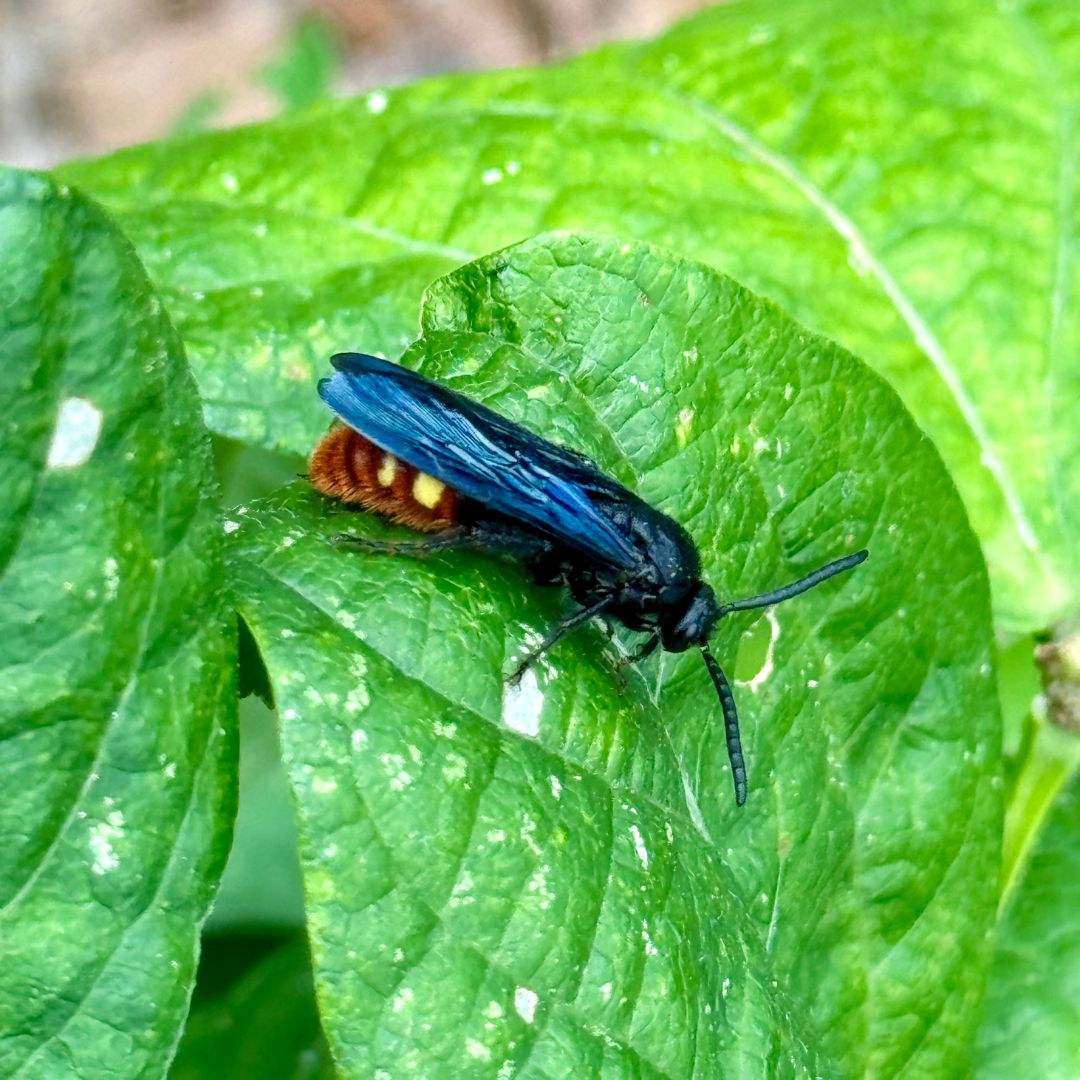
{"x": 387, "y": 470}
{"x": 427, "y": 491}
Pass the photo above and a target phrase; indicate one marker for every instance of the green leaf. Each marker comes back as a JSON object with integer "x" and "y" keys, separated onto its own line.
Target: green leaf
{"x": 199, "y": 114}
{"x": 266, "y": 1025}
{"x": 117, "y": 688}
{"x": 304, "y": 72}
{"x": 1033, "y": 998}
{"x": 900, "y": 176}
{"x": 557, "y": 880}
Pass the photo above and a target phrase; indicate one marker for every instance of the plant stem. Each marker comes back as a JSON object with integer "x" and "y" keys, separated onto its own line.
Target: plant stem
{"x": 1049, "y": 756}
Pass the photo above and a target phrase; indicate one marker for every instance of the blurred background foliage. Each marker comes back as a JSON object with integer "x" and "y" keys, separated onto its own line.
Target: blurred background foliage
{"x": 82, "y": 79}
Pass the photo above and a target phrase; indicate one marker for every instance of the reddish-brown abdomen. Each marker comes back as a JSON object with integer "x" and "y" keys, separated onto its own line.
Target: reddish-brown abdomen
{"x": 348, "y": 467}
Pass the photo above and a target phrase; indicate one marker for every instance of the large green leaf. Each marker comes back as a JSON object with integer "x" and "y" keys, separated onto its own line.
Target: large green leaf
{"x": 557, "y": 881}
{"x": 900, "y": 176}
{"x": 117, "y": 670}
{"x": 1033, "y": 1000}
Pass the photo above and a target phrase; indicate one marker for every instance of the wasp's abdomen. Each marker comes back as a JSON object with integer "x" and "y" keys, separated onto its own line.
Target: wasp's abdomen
{"x": 348, "y": 467}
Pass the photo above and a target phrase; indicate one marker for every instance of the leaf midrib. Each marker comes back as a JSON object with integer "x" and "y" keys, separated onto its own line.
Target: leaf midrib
{"x": 924, "y": 337}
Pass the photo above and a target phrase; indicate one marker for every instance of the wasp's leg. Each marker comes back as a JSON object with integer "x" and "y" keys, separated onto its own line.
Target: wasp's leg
{"x": 623, "y": 662}
{"x": 650, "y": 646}
{"x": 547, "y": 565}
{"x": 512, "y": 543}
{"x": 449, "y": 540}
{"x": 560, "y": 630}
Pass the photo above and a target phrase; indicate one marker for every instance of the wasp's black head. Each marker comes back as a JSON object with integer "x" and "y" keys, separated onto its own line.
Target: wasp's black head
{"x": 691, "y": 622}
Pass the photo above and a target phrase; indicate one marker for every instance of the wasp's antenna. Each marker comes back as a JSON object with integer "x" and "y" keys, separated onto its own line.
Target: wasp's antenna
{"x": 731, "y": 724}
{"x": 786, "y": 592}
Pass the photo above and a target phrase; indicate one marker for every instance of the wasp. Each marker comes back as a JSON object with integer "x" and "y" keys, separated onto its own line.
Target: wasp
{"x": 430, "y": 458}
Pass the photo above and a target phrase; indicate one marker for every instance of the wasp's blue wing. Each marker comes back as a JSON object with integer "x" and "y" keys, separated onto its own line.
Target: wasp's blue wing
{"x": 480, "y": 454}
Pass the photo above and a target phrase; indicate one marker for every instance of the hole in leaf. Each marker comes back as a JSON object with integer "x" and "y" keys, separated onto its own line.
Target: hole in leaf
{"x": 753, "y": 650}
{"x": 251, "y": 674}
